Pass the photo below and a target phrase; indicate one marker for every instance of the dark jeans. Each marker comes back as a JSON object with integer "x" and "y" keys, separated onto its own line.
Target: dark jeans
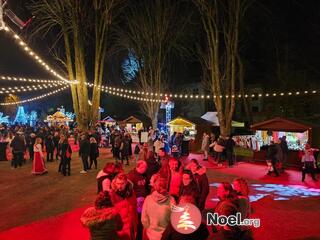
{"x": 308, "y": 170}
{"x": 66, "y": 168}
{"x": 85, "y": 162}
{"x": 56, "y": 149}
{"x": 93, "y": 160}
{"x": 274, "y": 166}
{"x": 124, "y": 157}
{"x": 230, "y": 158}
{"x": 31, "y": 152}
{"x": 49, "y": 156}
{"x": 17, "y": 159}
{"x": 116, "y": 153}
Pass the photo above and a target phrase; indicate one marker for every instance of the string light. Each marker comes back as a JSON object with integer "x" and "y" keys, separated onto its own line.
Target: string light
{"x": 35, "y": 98}
{"x": 23, "y": 79}
{"x": 35, "y": 57}
{"x": 15, "y": 89}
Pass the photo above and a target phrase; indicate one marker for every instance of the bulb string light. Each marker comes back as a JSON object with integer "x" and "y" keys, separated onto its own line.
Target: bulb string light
{"x": 17, "y": 89}
{"x": 35, "y": 98}
{"x": 35, "y": 56}
{"x": 33, "y": 80}
{"x": 197, "y": 96}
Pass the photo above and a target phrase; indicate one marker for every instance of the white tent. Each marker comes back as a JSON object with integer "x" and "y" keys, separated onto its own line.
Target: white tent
{"x": 213, "y": 118}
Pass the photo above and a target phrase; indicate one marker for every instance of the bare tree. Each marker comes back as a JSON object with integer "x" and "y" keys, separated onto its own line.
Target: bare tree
{"x": 72, "y": 20}
{"x": 153, "y": 30}
{"x": 220, "y": 62}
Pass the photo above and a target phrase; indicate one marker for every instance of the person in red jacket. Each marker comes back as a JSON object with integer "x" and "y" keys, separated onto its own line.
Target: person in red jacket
{"x": 141, "y": 188}
{"x": 125, "y": 202}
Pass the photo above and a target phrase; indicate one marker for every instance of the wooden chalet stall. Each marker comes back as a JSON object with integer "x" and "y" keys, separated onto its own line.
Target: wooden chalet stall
{"x": 108, "y": 121}
{"x": 297, "y": 135}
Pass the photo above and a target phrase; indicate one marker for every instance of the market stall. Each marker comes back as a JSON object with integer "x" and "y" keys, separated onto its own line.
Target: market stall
{"x": 187, "y": 128}
{"x": 108, "y": 121}
{"x": 297, "y": 135}
{"x": 58, "y": 119}
{"x": 182, "y": 125}
{"x": 132, "y": 125}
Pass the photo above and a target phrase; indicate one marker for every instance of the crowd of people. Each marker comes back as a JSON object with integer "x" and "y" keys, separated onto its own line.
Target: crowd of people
{"x": 220, "y": 148}
{"x": 138, "y": 204}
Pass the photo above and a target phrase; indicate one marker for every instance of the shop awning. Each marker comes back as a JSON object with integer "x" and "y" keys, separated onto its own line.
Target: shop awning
{"x": 281, "y": 124}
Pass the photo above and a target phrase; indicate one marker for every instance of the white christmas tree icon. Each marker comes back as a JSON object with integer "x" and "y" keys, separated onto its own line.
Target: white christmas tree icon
{"x": 184, "y": 221}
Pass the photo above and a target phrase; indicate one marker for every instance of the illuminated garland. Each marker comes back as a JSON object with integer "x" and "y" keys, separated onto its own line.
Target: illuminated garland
{"x": 10, "y": 90}
{"x": 122, "y": 92}
{"x": 147, "y": 96}
{"x": 20, "y": 79}
{"x": 35, "y": 57}
{"x": 35, "y": 98}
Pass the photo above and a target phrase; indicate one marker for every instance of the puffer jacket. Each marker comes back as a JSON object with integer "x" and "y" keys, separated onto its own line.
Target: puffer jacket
{"x": 102, "y": 223}
{"x": 125, "y": 204}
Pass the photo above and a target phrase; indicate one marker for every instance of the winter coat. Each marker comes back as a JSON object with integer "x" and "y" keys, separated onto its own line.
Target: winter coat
{"x": 125, "y": 204}
{"x": 84, "y": 148}
{"x": 202, "y": 181}
{"x": 102, "y": 223}
{"x": 156, "y": 212}
{"x": 49, "y": 145}
{"x": 94, "y": 150}
{"x": 64, "y": 150}
{"x": 170, "y": 233}
{"x": 104, "y": 181}
{"x": 190, "y": 190}
{"x": 175, "y": 183}
{"x": 140, "y": 183}
{"x": 18, "y": 144}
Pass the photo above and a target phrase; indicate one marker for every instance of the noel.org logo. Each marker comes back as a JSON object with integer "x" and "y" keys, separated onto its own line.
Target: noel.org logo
{"x": 185, "y": 218}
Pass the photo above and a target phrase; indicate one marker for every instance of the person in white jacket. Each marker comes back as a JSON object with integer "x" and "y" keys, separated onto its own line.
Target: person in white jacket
{"x": 156, "y": 210}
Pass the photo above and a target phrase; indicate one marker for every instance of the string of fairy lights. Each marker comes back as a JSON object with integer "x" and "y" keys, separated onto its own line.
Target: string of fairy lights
{"x": 120, "y": 92}
{"x": 35, "y": 98}
{"x": 32, "y": 80}
{"x": 35, "y": 56}
{"x": 18, "y": 89}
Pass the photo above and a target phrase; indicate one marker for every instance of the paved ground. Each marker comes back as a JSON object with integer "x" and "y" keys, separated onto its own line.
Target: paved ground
{"x": 49, "y": 206}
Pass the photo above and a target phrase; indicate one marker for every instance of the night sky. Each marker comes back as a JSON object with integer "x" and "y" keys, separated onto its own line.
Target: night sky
{"x": 275, "y": 33}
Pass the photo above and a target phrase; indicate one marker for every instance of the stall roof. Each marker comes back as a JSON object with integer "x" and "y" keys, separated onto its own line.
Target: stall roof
{"x": 108, "y": 119}
{"x": 132, "y": 120}
{"x": 281, "y": 124}
{"x": 181, "y": 122}
{"x": 213, "y": 118}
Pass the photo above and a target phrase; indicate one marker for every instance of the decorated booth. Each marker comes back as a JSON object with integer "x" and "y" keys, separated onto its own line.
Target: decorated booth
{"x": 182, "y": 125}
{"x": 108, "y": 121}
{"x": 132, "y": 124}
{"x": 58, "y": 119}
{"x": 297, "y": 135}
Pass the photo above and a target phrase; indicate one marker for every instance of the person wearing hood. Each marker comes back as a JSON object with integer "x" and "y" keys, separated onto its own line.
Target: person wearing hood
{"x": 125, "y": 202}
{"x": 156, "y": 210}
{"x": 102, "y": 220}
{"x": 105, "y": 177}
{"x": 202, "y": 181}
{"x": 140, "y": 186}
